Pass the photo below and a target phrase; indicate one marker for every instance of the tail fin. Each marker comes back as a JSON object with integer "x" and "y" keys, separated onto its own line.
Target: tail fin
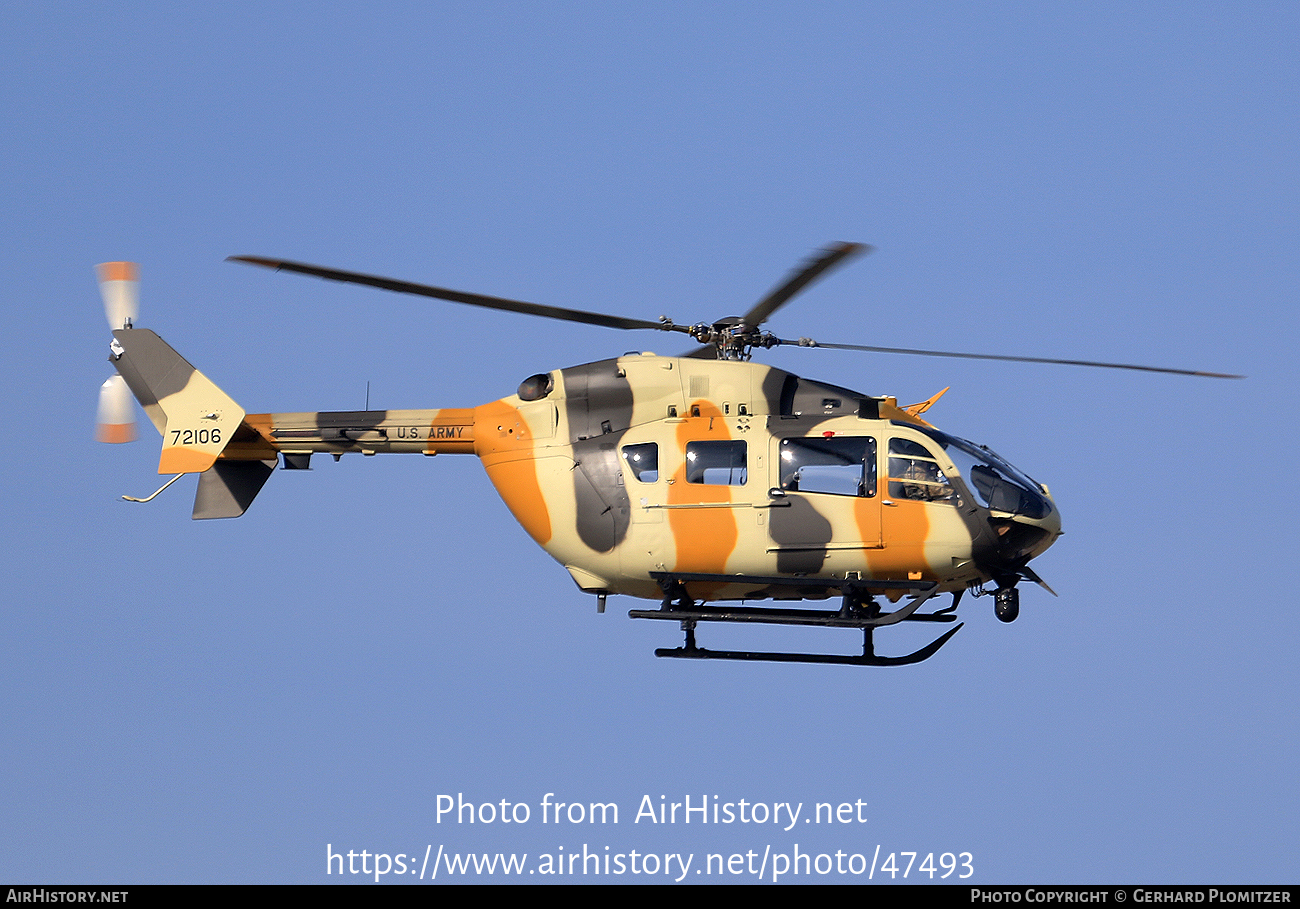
{"x": 197, "y": 421}
{"x": 196, "y": 418}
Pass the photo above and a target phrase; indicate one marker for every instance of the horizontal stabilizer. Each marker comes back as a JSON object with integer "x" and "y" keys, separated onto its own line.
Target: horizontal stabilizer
{"x": 229, "y": 487}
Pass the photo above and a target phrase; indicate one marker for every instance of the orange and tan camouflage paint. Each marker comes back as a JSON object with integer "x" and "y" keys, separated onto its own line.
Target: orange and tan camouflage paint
{"x": 535, "y": 451}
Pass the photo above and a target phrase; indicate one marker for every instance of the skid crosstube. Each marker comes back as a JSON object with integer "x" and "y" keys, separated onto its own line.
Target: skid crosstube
{"x": 859, "y": 610}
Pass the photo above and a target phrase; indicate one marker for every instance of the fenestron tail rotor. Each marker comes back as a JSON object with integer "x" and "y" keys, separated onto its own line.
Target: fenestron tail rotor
{"x": 119, "y": 285}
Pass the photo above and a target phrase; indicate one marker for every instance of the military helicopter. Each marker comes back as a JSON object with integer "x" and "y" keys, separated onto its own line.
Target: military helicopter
{"x": 705, "y": 481}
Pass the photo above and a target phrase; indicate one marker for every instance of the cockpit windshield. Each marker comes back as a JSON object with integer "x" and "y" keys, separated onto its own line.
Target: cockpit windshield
{"x": 991, "y": 478}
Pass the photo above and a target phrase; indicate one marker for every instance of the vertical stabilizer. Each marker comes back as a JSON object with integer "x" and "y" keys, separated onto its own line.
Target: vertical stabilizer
{"x": 196, "y": 418}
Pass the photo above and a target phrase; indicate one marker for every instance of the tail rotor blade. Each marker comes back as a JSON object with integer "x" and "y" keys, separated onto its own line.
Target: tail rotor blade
{"x": 119, "y": 284}
{"x": 116, "y": 412}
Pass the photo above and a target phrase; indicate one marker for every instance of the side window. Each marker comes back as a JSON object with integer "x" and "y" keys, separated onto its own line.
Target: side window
{"x": 840, "y": 465}
{"x": 716, "y": 463}
{"x": 915, "y": 474}
{"x": 643, "y": 461}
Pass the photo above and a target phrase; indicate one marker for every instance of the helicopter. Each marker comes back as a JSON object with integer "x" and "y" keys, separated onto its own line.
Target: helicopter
{"x": 706, "y": 481}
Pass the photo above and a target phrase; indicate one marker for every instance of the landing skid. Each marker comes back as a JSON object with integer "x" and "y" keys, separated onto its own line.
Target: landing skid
{"x": 859, "y": 610}
{"x": 868, "y": 657}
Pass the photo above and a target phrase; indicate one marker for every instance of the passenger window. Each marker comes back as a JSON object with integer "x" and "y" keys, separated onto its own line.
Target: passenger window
{"x": 716, "y": 463}
{"x": 840, "y": 465}
{"x": 917, "y": 476}
{"x": 643, "y": 461}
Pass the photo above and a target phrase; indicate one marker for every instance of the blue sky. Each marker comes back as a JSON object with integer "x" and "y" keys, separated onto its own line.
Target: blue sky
{"x": 198, "y": 702}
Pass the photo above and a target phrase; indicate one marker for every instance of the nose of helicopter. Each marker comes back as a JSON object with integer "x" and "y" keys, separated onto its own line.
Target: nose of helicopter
{"x": 1022, "y": 537}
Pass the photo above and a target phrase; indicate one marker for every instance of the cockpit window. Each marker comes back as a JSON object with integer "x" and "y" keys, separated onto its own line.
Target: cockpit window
{"x": 840, "y": 465}
{"x": 908, "y": 447}
{"x": 992, "y": 480}
{"x": 914, "y": 473}
{"x": 643, "y": 461}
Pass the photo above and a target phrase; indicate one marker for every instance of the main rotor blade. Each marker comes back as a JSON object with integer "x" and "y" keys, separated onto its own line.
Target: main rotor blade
{"x": 809, "y": 342}
{"x": 811, "y": 270}
{"x": 458, "y": 296}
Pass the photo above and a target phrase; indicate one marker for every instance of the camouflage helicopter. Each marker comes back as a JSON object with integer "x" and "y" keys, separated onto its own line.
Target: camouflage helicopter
{"x": 705, "y": 481}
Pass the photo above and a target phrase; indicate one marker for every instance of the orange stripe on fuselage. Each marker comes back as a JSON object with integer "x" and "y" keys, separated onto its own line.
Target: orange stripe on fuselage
{"x": 705, "y": 537}
{"x": 505, "y": 447}
{"x": 463, "y": 419}
{"x": 906, "y": 528}
{"x": 866, "y": 514}
{"x": 516, "y": 482}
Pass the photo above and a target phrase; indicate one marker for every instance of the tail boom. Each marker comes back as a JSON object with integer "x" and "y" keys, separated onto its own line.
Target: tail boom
{"x": 205, "y": 432}
{"x": 428, "y": 432}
